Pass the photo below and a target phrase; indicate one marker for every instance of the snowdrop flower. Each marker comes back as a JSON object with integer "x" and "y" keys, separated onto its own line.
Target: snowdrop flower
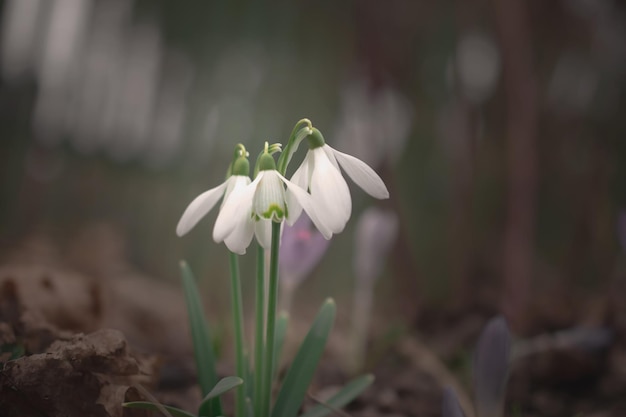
{"x": 264, "y": 200}
{"x": 243, "y": 228}
{"x": 320, "y": 175}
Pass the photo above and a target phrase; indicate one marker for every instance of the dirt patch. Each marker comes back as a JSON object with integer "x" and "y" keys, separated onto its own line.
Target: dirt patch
{"x": 85, "y": 375}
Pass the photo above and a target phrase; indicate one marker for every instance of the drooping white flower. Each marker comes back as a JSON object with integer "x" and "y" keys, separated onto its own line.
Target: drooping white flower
{"x": 319, "y": 174}
{"x": 264, "y": 200}
{"x": 242, "y": 228}
{"x": 244, "y": 225}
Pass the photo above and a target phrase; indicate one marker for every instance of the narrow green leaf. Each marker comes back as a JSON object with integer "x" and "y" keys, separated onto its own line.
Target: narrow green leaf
{"x": 249, "y": 408}
{"x": 249, "y": 376}
{"x": 146, "y": 405}
{"x": 225, "y": 384}
{"x": 202, "y": 346}
{"x": 303, "y": 368}
{"x": 281, "y": 330}
{"x": 348, "y": 393}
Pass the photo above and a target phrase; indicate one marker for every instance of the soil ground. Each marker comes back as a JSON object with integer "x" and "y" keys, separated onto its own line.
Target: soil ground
{"x": 74, "y": 344}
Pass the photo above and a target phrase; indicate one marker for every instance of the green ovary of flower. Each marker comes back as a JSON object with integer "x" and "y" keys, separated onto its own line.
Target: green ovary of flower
{"x": 241, "y": 166}
{"x": 275, "y": 213}
{"x": 266, "y": 162}
{"x": 315, "y": 139}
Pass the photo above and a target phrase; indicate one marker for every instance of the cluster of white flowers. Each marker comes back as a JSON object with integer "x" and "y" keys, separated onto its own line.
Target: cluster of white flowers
{"x": 317, "y": 186}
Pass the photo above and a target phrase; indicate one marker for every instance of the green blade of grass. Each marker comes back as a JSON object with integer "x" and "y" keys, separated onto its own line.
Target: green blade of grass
{"x": 348, "y": 393}
{"x": 303, "y": 368}
{"x": 202, "y": 346}
{"x": 146, "y": 405}
{"x": 225, "y": 385}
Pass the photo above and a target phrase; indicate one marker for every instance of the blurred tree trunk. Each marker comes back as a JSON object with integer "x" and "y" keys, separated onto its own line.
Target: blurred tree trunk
{"x": 520, "y": 89}
{"x": 462, "y": 132}
{"x": 402, "y": 261}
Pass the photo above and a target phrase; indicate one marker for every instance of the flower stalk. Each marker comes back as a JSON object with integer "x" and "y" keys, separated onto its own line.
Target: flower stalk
{"x": 272, "y": 300}
{"x": 302, "y": 129}
{"x": 259, "y": 335}
{"x": 237, "y": 312}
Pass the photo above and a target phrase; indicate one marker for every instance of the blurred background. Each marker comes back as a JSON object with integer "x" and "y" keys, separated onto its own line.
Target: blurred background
{"x": 497, "y": 126}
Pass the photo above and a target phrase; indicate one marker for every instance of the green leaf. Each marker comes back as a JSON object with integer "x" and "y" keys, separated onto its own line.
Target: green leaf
{"x": 249, "y": 408}
{"x": 301, "y": 372}
{"x": 348, "y": 393}
{"x": 225, "y": 384}
{"x": 249, "y": 376}
{"x": 202, "y": 346}
{"x": 279, "y": 338}
{"x": 146, "y": 405}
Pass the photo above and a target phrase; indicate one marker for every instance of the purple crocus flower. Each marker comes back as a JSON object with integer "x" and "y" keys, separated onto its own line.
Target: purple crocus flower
{"x": 450, "y": 406}
{"x": 491, "y": 367}
{"x": 301, "y": 249}
{"x": 375, "y": 234}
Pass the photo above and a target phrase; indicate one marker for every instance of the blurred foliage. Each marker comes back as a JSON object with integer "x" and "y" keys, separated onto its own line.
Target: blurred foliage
{"x": 254, "y": 69}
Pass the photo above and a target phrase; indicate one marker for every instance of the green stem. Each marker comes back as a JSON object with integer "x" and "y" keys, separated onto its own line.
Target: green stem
{"x": 259, "y": 395}
{"x": 272, "y": 299}
{"x": 237, "y": 306}
{"x": 292, "y": 144}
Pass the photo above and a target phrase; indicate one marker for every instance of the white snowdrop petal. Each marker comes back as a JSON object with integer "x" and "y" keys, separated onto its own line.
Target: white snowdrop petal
{"x": 199, "y": 207}
{"x": 236, "y": 209}
{"x": 309, "y": 206}
{"x": 330, "y": 193}
{"x": 241, "y": 236}
{"x": 263, "y": 233}
{"x": 331, "y": 156}
{"x": 302, "y": 174}
{"x": 364, "y": 176}
{"x": 235, "y": 182}
{"x": 300, "y": 178}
